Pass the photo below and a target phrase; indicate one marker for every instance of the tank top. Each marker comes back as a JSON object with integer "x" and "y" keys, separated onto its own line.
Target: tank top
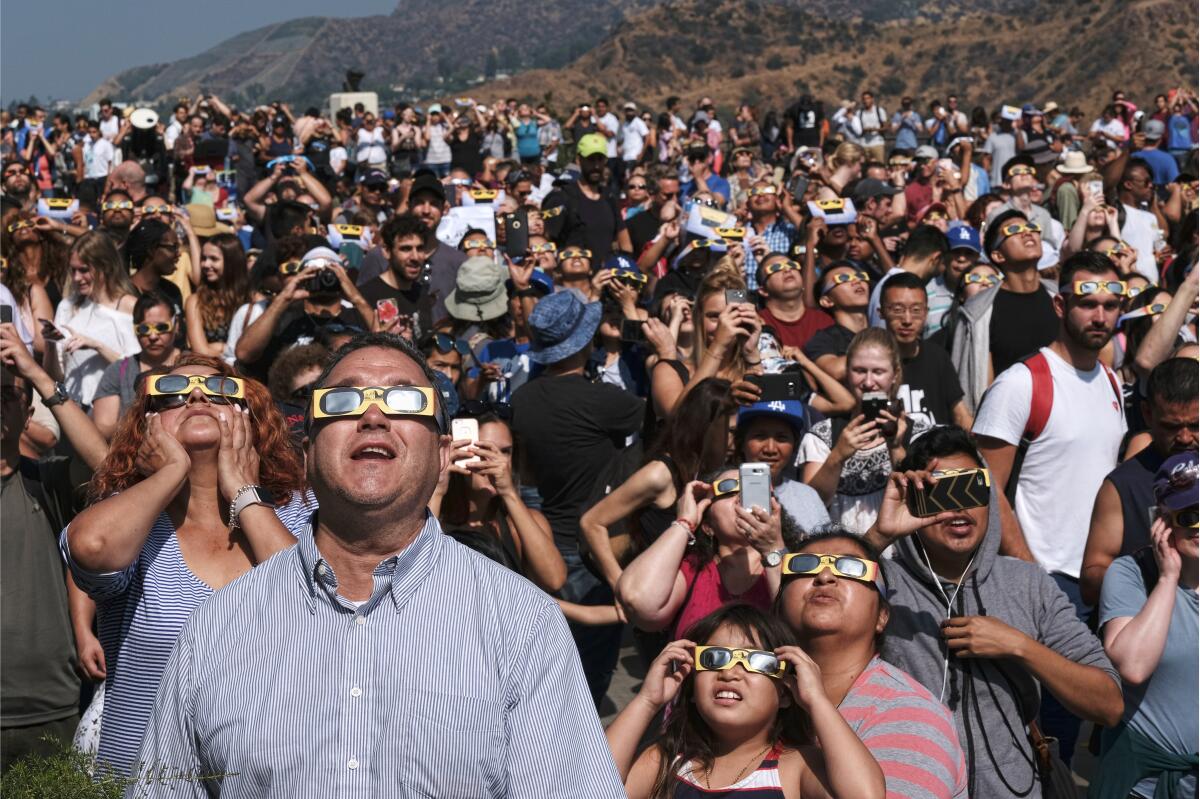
{"x": 762, "y": 783}
{"x": 1134, "y": 482}
{"x": 652, "y": 520}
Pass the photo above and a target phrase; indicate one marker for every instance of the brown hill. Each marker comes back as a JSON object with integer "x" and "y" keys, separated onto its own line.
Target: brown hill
{"x": 1075, "y": 52}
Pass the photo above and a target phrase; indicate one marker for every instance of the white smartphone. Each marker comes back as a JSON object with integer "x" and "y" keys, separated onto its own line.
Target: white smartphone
{"x": 1096, "y": 188}
{"x": 465, "y": 428}
{"x": 755, "y": 479}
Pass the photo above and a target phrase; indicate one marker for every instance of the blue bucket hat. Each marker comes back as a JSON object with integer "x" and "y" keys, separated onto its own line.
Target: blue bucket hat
{"x": 560, "y": 326}
{"x": 790, "y": 411}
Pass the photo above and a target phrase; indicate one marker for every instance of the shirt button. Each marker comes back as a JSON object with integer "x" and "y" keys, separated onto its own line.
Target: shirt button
{"x": 356, "y": 691}
{"x": 360, "y": 620}
{"x": 321, "y": 570}
{"x": 352, "y": 764}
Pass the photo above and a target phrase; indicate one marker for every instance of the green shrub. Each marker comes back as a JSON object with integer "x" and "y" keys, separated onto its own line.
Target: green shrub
{"x": 66, "y": 773}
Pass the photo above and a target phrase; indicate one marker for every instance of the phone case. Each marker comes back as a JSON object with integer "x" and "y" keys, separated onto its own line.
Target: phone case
{"x": 756, "y": 485}
{"x": 465, "y": 428}
{"x": 952, "y": 490}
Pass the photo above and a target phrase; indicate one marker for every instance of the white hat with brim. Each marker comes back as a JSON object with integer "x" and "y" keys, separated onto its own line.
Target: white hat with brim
{"x": 143, "y": 119}
{"x": 1074, "y": 163}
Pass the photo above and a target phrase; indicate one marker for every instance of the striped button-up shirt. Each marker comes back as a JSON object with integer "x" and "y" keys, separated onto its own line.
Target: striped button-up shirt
{"x": 779, "y": 236}
{"x": 457, "y": 678}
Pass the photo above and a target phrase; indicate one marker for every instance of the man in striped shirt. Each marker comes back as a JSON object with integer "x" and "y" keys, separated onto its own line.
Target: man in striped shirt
{"x": 838, "y": 622}
{"x": 378, "y": 657}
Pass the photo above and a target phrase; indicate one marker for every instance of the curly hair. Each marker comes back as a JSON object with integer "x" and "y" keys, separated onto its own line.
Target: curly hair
{"x": 290, "y": 363}
{"x": 281, "y": 471}
{"x": 51, "y": 268}
{"x": 219, "y": 300}
{"x": 143, "y": 240}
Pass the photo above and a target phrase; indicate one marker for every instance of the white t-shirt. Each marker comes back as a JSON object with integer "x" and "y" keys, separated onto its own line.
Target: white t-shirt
{"x": 1066, "y": 464}
{"x": 337, "y": 159}
{"x": 1113, "y": 127}
{"x": 109, "y": 128}
{"x": 83, "y": 367}
{"x": 97, "y": 158}
{"x": 243, "y": 317}
{"x": 437, "y": 151}
{"x": 633, "y": 139}
{"x": 1139, "y": 232}
{"x": 371, "y": 149}
{"x": 609, "y": 122}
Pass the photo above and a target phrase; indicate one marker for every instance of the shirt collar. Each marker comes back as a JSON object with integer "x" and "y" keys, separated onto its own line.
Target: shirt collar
{"x": 398, "y": 575}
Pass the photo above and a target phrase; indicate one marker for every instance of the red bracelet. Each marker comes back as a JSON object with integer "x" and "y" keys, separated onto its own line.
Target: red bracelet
{"x": 685, "y": 524}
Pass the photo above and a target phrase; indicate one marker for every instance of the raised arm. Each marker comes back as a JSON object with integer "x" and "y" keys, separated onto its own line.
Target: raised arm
{"x": 1136, "y": 644}
{"x": 1160, "y": 340}
{"x": 641, "y": 489}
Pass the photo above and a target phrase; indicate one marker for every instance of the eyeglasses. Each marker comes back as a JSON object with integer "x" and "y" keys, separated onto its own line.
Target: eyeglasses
{"x": 154, "y": 210}
{"x": 935, "y": 216}
{"x": 1117, "y": 249}
{"x": 1133, "y": 291}
{"x": 723, "y": 488}
{"x": 479, "y": 244}
{"x": 1021, "y": 170}
{"x": 632, "y": 186}
{"x": 1185, "y": 517}
{"x": 757, "y": 190}
{"x": 473, "y": 409}
{"x": 846, "y": 277}
{"x": 549, "y": 246}
{"x": 123, "y": 205}
{"x": 808, "y": 564}
{"x": 722, "y": 658}
{"x": 171, "y": 391}
{"x": 1020, "y": 227}
{"x": 1147, "y": 310}
{"x": 445, "y": 343}
{"x": 706, "y": 203}
{"x": 979, "y": 277}
{"x": 347, "y": 401}
{"x": 636, "y": 279}
{"x": 153, "y": 329}
{"x": 775, "y": 267}
{"x": 21, "y": 225}
{"x": 1083, "y": 288}
{"x": 290, "y": 267}
{"x": 574, "y": 252}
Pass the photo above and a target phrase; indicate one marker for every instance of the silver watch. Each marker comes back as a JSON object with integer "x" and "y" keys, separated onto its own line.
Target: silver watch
{"x": 774, "y": 557}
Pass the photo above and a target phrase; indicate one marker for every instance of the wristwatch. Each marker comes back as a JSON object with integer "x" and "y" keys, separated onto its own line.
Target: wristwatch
{"x": 246, "y": 496}
{"x": 774, "y": 557}
{"x": 58, "y": 397}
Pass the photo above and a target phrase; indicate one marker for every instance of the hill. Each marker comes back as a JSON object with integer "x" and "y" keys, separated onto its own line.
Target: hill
{"x": 987, "y": 51}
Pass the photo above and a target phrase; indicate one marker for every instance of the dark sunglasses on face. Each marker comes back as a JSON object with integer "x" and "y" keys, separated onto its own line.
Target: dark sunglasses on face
{"x": 549, "y": 246}
{"x": 978, "y": 277}
{"x": 722, "y": 658}
{"x": 723, "y": 488}
{"x": 20, "y": 225}
{"x": 1020, "y": 227}
{"x": 172, "y": 391}
{"x": 445, "y": 343}
{"x": 574, "y": 252}
{"x": 1185, "y": 517}
{"x": 807, "y": 564}
{"x": 153, "y": 329}
{"x": 706, "y": 202}
{"x": 781, "y": 266}
{"x": 124, "y": 205}
{"x": 473, "y": 409}
{"x": 633, "y": 186}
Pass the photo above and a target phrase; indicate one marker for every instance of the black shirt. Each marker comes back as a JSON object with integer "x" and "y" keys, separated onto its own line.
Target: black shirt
{"x": 930, "y": 389}
{"x": 569, "y": 429}
{"x": 643, "y": 228}
{"x": 834, "y": 340}
{"x": 296, "y": 326}
{"x": 1134, "y": 482}
{"x": 412, "y": 302}
{"x": 1021, "y": 325}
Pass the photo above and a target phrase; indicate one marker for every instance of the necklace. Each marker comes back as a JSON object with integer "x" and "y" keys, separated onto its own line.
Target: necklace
{"x": 756, "y": 759}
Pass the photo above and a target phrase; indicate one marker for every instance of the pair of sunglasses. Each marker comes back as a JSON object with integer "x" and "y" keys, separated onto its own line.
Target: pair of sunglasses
{"x": 549, "y": 246}
{"x": 1117, "y": 249}
{"x": 156, "y": 328}
{"x": 1148, "y": 310}
{"x": 978, "y": 277}
{"x": 1017, "y": 228}
{"x": 473, "y": 409}
{"x": 1084, "y": 288}
{"x": 345, "y": 401}
{"x": 635, "y": 279}
{"x": 706, "y": 203}
{"x": 574, "y": 252}
{"x": 723, "y": 658}
{"x": 935, "y": 216}
{"x": 123, "y": 205}
{"x": 446, "y": 343}
{"x": 290, "y": 267}
{"x": 1021, "y": 170}
{"x": 1184, "y": 517}
{"x": 152, "y": 210}
{"x": 846, "y": 277}
{"x": 479, "y": 244}
{"x": 807, "y": 564}
{"x": 171, "y": 391}
{"x": 21, "y": 225}
{"x": 780, "y": 266}
{"x": 726, "y": 487}
{"x": 757, "y": 190}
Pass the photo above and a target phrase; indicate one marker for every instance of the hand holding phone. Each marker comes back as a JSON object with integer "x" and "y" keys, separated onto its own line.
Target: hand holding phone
{"x": 50, "y": 331}
{"x": 388, "y": 310}
{"x": 465, "y": 429}
{"x": 755, "y": 481}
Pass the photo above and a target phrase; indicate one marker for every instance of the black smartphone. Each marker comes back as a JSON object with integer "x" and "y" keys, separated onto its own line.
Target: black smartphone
{"x": 953, "y": 489}
{"x": 874, "y": 403}
{"x": 516, "y": 233}
{"x": 6, "y": 314}
{"x": 736, "y": 296}
{"x": 799, "y": 188}
{"x": 786, "y": 386}
{"x": 632, "y": 331}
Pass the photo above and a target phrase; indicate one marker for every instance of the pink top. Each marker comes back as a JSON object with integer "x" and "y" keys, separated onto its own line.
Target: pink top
{"x": 708, "y": 594}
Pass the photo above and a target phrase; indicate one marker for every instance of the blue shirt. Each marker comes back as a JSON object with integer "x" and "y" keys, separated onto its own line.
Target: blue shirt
{"x": 456, "y": 678}
{"x": 527, "y": 139}
{"x": 906, "y": 135}
{"x": 140, "y": 611}
{"x": 1179, "y": 132}
{"x": 716, "y": 184}
{"x": 1162, "y": 165}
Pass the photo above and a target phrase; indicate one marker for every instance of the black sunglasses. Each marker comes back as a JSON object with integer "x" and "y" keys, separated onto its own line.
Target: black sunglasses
{"x": 473, "y": 409}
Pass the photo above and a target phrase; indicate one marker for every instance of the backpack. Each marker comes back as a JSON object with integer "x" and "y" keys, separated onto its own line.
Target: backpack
{"x": 1040, "y": 403}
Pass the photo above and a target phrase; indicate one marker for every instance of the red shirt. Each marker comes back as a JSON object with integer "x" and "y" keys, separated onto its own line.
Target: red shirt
{"x": 708, "y": 593}
{"x": 917, "y": 196}
{"x": 797, "y": 334}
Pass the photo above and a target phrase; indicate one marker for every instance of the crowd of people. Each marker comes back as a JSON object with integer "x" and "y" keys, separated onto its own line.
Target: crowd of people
{"x": 344, "y": 455}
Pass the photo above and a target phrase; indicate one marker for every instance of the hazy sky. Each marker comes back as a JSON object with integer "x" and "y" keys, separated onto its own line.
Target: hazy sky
{"x": 66, "y": 48}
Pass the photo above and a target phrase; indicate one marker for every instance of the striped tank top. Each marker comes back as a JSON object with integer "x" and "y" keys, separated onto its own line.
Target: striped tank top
{"x": 140, "y": 611}
{"x": 762, "y": 783}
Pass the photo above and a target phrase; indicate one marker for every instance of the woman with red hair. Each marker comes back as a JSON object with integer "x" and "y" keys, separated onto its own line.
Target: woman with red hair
{"x": 199, "y": 486}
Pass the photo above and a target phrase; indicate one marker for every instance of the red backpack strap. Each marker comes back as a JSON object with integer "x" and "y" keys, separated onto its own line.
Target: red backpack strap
{"x": 1116, "y": 387}
{"x": 1042, "y": 398}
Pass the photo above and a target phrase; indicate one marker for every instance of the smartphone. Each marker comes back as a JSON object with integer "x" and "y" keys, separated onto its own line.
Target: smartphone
{"x": 388, "y": 310}
{"x": 463, "y": 429}
{"x": 1096, "y": 188}
{"x": 516, "y": 233}
{"x": 6, "y": 314}
{"x": 632, "y": 332}
{"x": 786, "y": 386}
{"x": 874, "y": 403}
{"x": 50, "y": 331}
{"x": 799, "y": 188}
{"x": 755, "y": 479}
{"x": 736, "y": 296}
{"x": 952, "y": 489}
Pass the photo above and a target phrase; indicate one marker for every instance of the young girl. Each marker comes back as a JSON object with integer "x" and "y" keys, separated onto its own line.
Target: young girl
{"x": 224, "y": 288}
{"x": 747, "y": 717}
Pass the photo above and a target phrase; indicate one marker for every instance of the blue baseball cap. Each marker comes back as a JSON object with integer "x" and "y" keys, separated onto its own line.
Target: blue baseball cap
{"x": 790, "y": 411}
{"x": 537, "y": 280}
{"x": 620, "y": 263}
{"x": 1177, "y": 482}
{"x": 964, "y": 237}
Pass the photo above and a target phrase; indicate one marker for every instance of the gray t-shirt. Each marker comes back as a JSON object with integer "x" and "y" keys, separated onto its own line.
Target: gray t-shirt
{"x": 803, "y": 504}
{"x": 120, "y": 378}
{"x": 1165, "y": 707}
{"x": 1001, "y": 146}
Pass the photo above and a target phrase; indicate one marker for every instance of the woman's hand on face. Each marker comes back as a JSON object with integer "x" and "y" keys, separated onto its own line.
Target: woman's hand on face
{"x": 667, "y": 673}
{"x": 237, "y": 459}
{"x": 494, "y": 465}
{"x": 159, "y": 449}
{"x": 1165, "y": 554}
{"x": 693, "y": 502}
{"x": 803, "y": 677}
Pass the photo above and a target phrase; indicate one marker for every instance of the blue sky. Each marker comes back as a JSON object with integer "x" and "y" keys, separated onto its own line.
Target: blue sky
{"x": 66, "y": 47}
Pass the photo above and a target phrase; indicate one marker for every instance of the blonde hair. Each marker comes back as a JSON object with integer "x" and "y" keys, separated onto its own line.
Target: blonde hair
{"x": 97, "y": 249}
{"x": 847, "y": 154}
{"x": 881, "y": 338}
{"x": 724, "y": 276}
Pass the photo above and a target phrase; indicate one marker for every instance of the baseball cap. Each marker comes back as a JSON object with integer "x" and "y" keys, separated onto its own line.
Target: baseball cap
{"x": 790, "y": 411}
{"x": 1154, "y": 130}
{"x": 436, "y": 108}
{"x": 964, "y": 237}
{"x": 592, "y": 144}
{"x": 1175, "y": 483}
{"x": 621, "y": 263}
{"x": 427, "y": 182}
{"x": 629, "y": 107}
{"x": 926, "y": 153}
{"x": 872, "y": 187}
{"x": 373, "y": 177}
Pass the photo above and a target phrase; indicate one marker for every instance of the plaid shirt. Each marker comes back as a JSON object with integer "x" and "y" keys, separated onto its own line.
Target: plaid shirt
{"x": 780, "y": 237}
